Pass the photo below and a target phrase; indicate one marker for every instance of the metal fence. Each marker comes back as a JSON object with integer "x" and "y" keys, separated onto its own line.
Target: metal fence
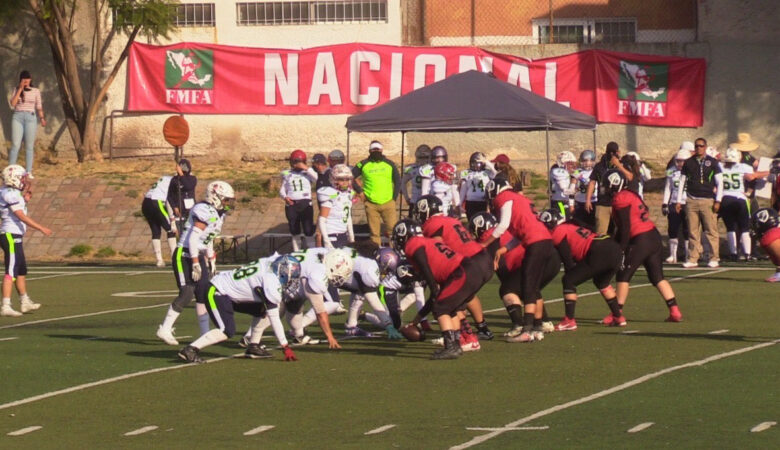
{"x": 541, "y": 22}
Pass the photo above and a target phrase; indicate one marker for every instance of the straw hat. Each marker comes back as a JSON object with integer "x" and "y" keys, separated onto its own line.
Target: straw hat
{"x": 744, "y": 144}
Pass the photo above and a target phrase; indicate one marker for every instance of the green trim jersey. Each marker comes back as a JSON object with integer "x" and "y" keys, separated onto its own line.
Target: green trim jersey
{"x": 313, "y": 271}
{"x": 473, "y": 183}
{"x": 582, "y": 179}
{"x": 734, "y": 179}
{"x": 240, "y": 284}
{"x": 365, "y": 268}
{"x": 672, "y": 186}
{"x": 11, "y": 200}
{"x": 204, "y": 213}
{"x": 159, "y": 190}
{"x": 417, "y": 173}
{"x": 340, "y": 204}
{"x": 296, "y": 184}
{"x": 561, "y": 186}
{"x": 447, "y": 193}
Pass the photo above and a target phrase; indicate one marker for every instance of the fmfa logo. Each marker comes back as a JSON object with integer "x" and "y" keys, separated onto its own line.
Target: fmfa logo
{"x": 642, "y": 89}
{"x": 189, "y": 76}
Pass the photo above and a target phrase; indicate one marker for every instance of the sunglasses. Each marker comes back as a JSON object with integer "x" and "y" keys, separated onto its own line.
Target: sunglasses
{"x": 700, "y": 145}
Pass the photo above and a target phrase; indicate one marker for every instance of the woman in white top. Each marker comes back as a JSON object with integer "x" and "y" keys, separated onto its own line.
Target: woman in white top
{"x": 25, "y": 101}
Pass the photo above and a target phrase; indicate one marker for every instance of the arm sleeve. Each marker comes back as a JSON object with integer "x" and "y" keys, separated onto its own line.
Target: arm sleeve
{"x": 455, "y": 197}
{"x": 681, "y": 188}
{"x": 425, "y": 188}
{"x": 283, "y": 189}
{"x": 718, "y": 187}
{"x": 647, "y": 175}
{"x": 312, "y": 174}
{"x": 623, "y": 224}
{"x": 506, "y": 218}
{"x": 565, "y": 251}
{"x": 322, "y": 224}
{"x": 350, "y": 229}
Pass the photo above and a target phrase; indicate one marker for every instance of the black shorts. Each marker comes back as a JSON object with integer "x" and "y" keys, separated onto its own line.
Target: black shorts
{"x": 181, "y": 262}
{"x": 15, "y": 262}
{"x": 646, "y": 250}
{"x": 541, "y": 265}
{"x": 221, "y": 309}
{"x": 474, "y": 208}
{"x": 585, "y": 217}
{"x": 461, "y": 286}
{"x": 600, "y": 264}
{"x": 157, "y": 216}
{"x": 735, "y": 214}
{"x": 677, "y": 221}
{"x": 300, "y": 217}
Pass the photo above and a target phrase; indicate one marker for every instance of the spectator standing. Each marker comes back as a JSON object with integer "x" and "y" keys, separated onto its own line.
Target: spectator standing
{"x": 503, "y": 169}
{"x": 320, "y": 165}
{"x": 181, "y": 192}
{"x": 609, "y": 160}
{"x": 25, "y": 101}
{"x": 701, "y": 176}
{"x": 381, "y": 184}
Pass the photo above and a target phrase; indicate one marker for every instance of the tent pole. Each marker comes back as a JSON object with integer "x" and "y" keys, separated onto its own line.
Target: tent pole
{"x": 348, "y": 132}
{"x": 594, "y": 140}
{"x": 547, "y": 139}
{"x": 401, "y": 197}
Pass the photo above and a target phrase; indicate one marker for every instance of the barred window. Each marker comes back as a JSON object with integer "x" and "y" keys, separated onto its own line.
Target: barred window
{"x": 562, "y": 34}
{"x": 194, "y": 15}
{"x": 585, "y": 31}
{"x": 310, "y": 12}
{"x": 614, "y": 32}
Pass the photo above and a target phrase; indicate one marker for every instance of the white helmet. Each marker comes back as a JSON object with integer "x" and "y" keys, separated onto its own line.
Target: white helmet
{"x": 713, "y": 151}
{"x": 339, "y": 172}
{"x": 682, "y": 155}
{"x": 635, "y": 155}
{"x": 732, "y": 155}
{"x": 14, "y": 176}
{"x": 566, "y": 157}
{"x": 338, "y": 266}
{"x": 220, "y": 195}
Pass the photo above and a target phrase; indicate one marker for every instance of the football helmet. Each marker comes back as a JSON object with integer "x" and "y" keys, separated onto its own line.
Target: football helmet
{"x": 288, "y": 270}
{"x": 336, "y": 157}
{"x": 403, "y": 231}
{"x": 635, "y": 155}
{"x": 762, "y": 221}
{"x": 297, "y": 156}
{"x": 405, "y": 272}
{"x": 614, "y": 180}
{"x": 15, "y": 176}
{"x": 587, "y": 159}
{"x": 340, "y": 172}
{"x": 496, "y": 186}
{"x": 427, "y": 206}
{"x": 732, "y": 156}
{"x": 477, "y": 161}
{"x": 338, "y": 266}
{"x": 551, "y": 218}
{"x": 319, "y": 158}
{"x": 566, "y": 160}
{"x": 220, "y": 195}
{"x": 423, "y": 154}
{"x": 682, "y": 155}
{"x": 482, "y": 222}
{"x": 444, "y": 171}
{"x": 438, "y": 154}
{"x": 387, "y": 259}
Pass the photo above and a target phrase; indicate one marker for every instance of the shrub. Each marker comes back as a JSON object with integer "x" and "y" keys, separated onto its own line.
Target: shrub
{"x": 80, "y": 250}
{"x": 105, "y": 252}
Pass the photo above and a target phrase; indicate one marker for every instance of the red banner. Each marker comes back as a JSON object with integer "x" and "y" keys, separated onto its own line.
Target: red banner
{"x": 199, "y": 78}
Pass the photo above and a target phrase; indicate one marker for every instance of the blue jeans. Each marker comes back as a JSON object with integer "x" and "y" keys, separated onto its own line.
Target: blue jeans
{"x": 23, "y": 125}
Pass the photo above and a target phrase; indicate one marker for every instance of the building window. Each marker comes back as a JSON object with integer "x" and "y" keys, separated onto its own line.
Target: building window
{"x": 310, "y": 12}
{"x": 586, "y": 31}
{"x": 194, "y": 15}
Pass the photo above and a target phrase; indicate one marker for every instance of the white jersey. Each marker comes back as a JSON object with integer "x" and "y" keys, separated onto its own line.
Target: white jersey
{"x": 313, "y": 271}
{"x": 367, "y": 270}
{"x": 205, "y": 213}
{"x": 672, "y": 186}
{"x": 159, "y": 190}
{"x": 561, "y": 186}
{"x": 239, "y": 284}
{"x": 11, "y": 200}
{"x": 734, "y": 179}
{"x": 412, "y": 174}
{"x": 582, "y": 178}
{"x": 340, "y": 204}
{"x": 447, "y": 193}
{"x": 473, "y": 183}
{"x": 296, "y": 184}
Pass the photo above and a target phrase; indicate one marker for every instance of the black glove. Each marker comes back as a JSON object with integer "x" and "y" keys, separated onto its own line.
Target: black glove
{"x": 665, "y": 210}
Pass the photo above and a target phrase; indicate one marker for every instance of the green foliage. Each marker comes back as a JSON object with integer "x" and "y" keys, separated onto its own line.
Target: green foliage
{"x": 154, "y": 17}
{"x": 80, "y": 250}
{"x": 10, "y": 9}
{"x": 105, "y": 252}
{"x": 132, "y": 193}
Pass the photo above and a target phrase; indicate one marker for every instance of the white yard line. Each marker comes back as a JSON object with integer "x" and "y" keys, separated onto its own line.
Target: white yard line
{"x": 588, "y": 294}
{"x": 258, "y": 430}
{"x": 9, "y": 339}
{"x": 485, "y": 437}
{"x": 53, "y": 276}
{"x": 381, "y": 429}
{"x": 25, "y": 430}
{"x": 629, "y": 332}
{"x": 509, "y": 429}
{"x": 99, "y": 313}
{"x": 763, "y": 426}
{"x": 142, "y": 430}
{"x": 718, "y": 331}
{"x": 640, "y": 427}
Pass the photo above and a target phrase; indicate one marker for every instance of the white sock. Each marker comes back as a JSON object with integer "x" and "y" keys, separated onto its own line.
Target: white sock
{"x": 156, "y": 246}
{"x": 24, "y": 297}
{"x": 294, "y": 241}
{"x": 731, "y": 237}
{"x": 747, "y": 244}
{"x": 255, "y": 331}
{"x": 170, "y": 318}
{"x": 673, "y": 243}
{"x": 212, "y": 337}
{"x": 172, "y": 244}
{"x": 6, "y": 301}
{"x": 355, "y": 303}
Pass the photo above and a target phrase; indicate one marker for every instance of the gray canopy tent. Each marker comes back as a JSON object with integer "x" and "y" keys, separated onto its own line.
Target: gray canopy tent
{"x": 470, "y": 101}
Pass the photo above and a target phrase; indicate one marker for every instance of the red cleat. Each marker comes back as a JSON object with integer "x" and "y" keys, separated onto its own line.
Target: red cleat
{"x": 566, "y": 325}
{"x": 674, "y": 315}
{"x": 617, "y": 322}
{"x": 469, "y": 342}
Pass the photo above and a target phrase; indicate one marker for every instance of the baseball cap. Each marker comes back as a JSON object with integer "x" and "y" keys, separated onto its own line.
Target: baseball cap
{"x": 687, "y": 145}
{"x": 502, "y": 158}
{"x": 376, "y": 145}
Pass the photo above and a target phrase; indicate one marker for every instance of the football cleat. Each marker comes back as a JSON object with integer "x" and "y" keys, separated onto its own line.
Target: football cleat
{"x": 244, "y": 342}
{"x": 671, "y": 259}
{"x": 29, "y": 305}
{"x": 257, "y": 351}
{"x": 8, "y": 311}
{"x": 167, "y": 335}
{"x": 689, "y": 265}
{"x": 674, "y": 315}
{"x": 469, "y": 342}
{"x": 516, "y": 330}
{"x": 566, "y": 325}
{"x": 190, "y": 354}
{"x": 713, "y": 264}
{"x": 484, "y": 334}
{"x": 160, "y": 263}
{"x": 617, "y": 322}
{"x": 297, "y": 341}
{"x": 538, "y": 335}
{"x": 447, "y": 353}
{"x": 357, "y": 332}
{"x": 548, "y": 327}
{"x": 775, "y": 278}
{"x": 524, "y": 337}
{"x": 339, "y": 310}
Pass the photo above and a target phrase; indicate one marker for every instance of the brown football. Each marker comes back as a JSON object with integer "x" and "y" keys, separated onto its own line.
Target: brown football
{"x": 413, "y": 333}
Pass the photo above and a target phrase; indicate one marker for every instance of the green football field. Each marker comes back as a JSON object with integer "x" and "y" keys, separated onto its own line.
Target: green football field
{"x": 86, "y": 371}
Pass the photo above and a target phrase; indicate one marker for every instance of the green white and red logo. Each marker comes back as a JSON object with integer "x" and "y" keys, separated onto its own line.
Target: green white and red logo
{"x": 189, "y": 76}
{"x": 642, "y": 89}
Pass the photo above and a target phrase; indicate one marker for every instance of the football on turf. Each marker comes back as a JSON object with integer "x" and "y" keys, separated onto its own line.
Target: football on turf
{"x": 413, "y": 333}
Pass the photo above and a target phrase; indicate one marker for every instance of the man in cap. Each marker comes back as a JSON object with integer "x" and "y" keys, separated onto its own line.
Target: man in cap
{"x": 381, "y": 184}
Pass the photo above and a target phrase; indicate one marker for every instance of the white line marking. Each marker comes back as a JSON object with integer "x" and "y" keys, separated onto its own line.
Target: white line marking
{"x": 762, "y": 426}
{"x": 588, "y": 294}
{"x": 141, "y": 430}
{"x": 258, "y": 430}
{"x": 509, "y": 429}
{"x": 640, "y": 427}
{"x": 629, "y": 332}
{"x": 105, "y": 381}
{"x": 480, "y": 439}
{"x": 9, "y": 339}
{"x": 718, "y": 332}
{"x": 78, "y": 316}
{"x": 25, "y": 430}
{"x": 146, "y": 293}
{"x": 53, "y": 276}
{"x": 380, "y": 429}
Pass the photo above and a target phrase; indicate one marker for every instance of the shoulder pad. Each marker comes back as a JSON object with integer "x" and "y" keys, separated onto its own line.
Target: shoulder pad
{"x": 464, "y": 173}
{"x": 285, "y": 173}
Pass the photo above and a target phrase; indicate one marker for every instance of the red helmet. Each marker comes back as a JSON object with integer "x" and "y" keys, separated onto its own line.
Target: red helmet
{"x": 444, "y": 171}
{"x": 297, "y": 156}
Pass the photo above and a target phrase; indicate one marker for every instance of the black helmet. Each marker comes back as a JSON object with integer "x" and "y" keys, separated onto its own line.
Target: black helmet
{"x": 427, "y": 206}
{"x": 438, "y": 152}
{"x": 551, "y": 217}
{"x": 482, "y": 222}
{"x": 614, "y": 180}
{"x": 496, "y": 186}
{"x": 403, "y": 231}
{"x": 762, "y": 221}
{"x": 477, "y": 161}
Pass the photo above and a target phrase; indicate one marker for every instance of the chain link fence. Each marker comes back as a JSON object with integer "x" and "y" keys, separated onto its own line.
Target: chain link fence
{"x": 541, "y": 22}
